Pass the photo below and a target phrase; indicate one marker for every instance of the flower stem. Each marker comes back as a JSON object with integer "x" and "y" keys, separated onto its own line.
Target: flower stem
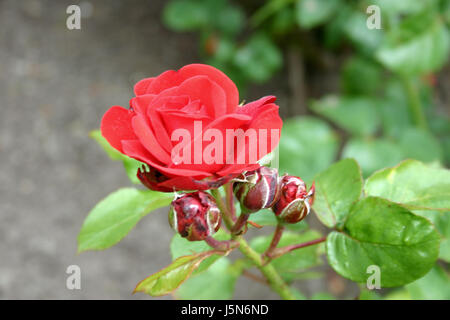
{"x": 269, "y": 272}
{"x": 230, "y": 200}
{"x": 221, "y": 245}
{"x": 275, "y": 240}
{"x": 225, "y": 213}
{"x": 240, "y": 223}
{"x": 273, "y": 278}
{"x": 415, "y": 105}
{"x": 281, "y": 251}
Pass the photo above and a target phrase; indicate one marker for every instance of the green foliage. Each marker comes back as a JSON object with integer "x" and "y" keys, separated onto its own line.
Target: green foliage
{"x": 379, "y": 232}
{"x": 170, "y": 278}
{"x": 360, "y": 76}
{"x": 354, "y": 114}
{"x": 266, "y": 217}
{"x": 383, "y": 232}
{"x": 216, "y": 283}
{"x": 356, "y": 31}
{"x": 372, "y": 154}
{"x": 419, "y": 45}
{"x": 181, "y": 246}
{"x": 307, "y": 146}
{"x": 311, "y": 13}
{"x": 258, "y": 59}
{"x": 337, "y": 189}
{"x": 296, "y": 261}
{"x": 420, "y": 145}
{"x": 191, "y": 15}
{"x": 412, "y": 184}
{"x": 113, "y": 217}
{"x": 434, "y": 286}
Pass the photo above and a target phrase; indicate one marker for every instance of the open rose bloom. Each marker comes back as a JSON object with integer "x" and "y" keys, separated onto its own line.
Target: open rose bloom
{"x": 178, "y": 125}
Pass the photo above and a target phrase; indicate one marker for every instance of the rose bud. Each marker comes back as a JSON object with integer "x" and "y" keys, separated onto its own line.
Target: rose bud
{"x": 295, "y": 201}
{"x": 257, "y": 189}
{"x": 194, "y": 216}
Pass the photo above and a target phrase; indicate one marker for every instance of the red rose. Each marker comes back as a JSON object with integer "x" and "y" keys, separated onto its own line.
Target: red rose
{"x": 199, "y": 104}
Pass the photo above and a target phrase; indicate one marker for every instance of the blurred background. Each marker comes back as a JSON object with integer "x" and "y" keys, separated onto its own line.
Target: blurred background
{"x": 377, "y": 95}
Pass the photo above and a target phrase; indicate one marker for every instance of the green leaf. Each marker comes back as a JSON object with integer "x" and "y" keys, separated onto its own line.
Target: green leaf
{"x": 230, "y": 19}
{"x": 442, "y": 223}
{"x": 403, "y": 6}
{"x": 378, "y": 232}
{"x": 180, "y": 246}
{"x": 419, "y": 45}
{"x": 185, "y": 15}
{"x": 311, "y": 13}
{"x": 394, "y": 110}
{"x": 356, "y": 115}
{"x": 372, "y": 155}
{"x": 334, "y": 30}
{"x": 131, "y": 165}
{"x": 413, "y": 184}
{"x": 264, "y": 217}
{"x": 434, "y": 286}
{"x": 365, "y": 39}
{"x": 110, "y": 151}
{"x": 307, "y": 146}
{"x": 337, "y": 189}
{"x": 113, "y": 217}
{"x": 216, "y": 283}
{"x": 171, "y": 277}
{"x": 292, "y": 263}
{"x": 360, "y": 76}
{"x": 259, "y": 58}
{"x": 420, "y": 145}
{"x": 283, "y": 21}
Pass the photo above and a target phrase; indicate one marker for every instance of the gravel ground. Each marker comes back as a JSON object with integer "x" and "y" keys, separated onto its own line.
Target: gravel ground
{"x": 55, "y": 86}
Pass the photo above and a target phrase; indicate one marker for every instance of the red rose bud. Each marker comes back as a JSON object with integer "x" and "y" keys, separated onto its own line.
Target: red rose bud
{"x": 195, "y": 216}
{"x": 258, "y": 189}
{"x": 295, "y": 201}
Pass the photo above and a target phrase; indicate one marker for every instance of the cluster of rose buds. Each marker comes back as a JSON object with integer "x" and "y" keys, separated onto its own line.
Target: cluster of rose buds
{"x": 196, "y": 216}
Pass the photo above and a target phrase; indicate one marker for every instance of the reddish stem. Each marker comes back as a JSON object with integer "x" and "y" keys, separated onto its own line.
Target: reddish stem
{"x": 240, "y": 223}
{"x": 221, "y": 245}
{"x": 230, "y": 200}
{"x": 280, "y": 251}
{"x": 275, "y": 240}
{"x": 255, "y": 277}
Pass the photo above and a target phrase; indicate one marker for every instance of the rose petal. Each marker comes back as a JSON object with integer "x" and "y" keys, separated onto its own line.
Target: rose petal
{"x": 134, "y": 149}
{"x": 267, "y": 118}
{"x": 147, "y": 138}
{"x": 238, "y": 169}
{"x": 141, "y": 87}
{"x": 229, "y": 121}
{"x": 252, "y": 107}
{"x": 141, "y": 103}
{"x": 230, "y": 89}
{"x": 173, "y": 78}
{"x": 116, "y": 126}
{"x": 203, "y": 89}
